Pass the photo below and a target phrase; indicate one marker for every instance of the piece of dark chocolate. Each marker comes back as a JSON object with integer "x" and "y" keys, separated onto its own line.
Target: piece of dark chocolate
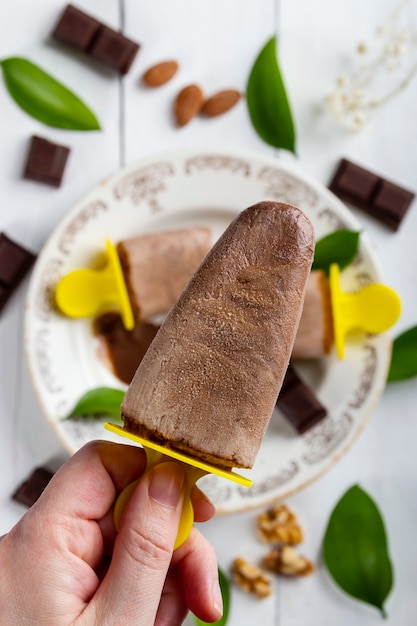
{"x": 32, "y": 488}
{"x": 15, "y": 262}
{"x": 298, "y": 403}
{"x": 373, "y": 194}
{"x": 84, "y": 32}
{"x": 114, "y": 49}
{"x": 46, "y": 161}
{"x": 76, "y": 28}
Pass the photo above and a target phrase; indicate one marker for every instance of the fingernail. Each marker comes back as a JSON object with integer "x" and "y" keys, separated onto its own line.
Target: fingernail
{"x": 217, "y": 598}
{"x": 165, "y": 484}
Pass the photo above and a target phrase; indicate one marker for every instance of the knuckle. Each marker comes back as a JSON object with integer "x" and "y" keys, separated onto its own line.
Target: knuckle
{"x": 147, "y": 548}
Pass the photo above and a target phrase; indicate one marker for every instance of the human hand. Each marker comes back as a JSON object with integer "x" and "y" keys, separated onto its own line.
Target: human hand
{"x": 63, "y": 563}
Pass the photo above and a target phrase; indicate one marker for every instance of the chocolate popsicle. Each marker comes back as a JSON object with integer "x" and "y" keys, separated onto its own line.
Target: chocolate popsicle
{"x": 122, "y": 350}
{"x": 208, "y": 384}
{"x": 315, "y": 337}
{"x": 156, "y": 267}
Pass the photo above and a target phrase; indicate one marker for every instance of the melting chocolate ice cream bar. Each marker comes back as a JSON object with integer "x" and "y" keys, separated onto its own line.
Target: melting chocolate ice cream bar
{"x": 208, "y": 384}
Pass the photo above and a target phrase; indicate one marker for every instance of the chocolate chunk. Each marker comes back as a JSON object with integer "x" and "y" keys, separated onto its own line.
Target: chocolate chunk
{"x": 373, "y": 194}
{"x": 31, "y": 489}
{"x": 298, "y": 403}
{"x": 388, "y": 196}
{"x": 46, "y": 162}
{"x": 15, "y": 262}
{"x": 76, "y": 28}
{"x": 80, "y": 30}
{"x": 114, "y": 49}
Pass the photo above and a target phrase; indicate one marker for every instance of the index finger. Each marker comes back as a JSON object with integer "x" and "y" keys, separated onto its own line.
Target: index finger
{"x": 86, "y": 486}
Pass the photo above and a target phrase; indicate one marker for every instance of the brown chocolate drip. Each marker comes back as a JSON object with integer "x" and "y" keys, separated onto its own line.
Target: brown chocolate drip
{"x": 123, "y": 349}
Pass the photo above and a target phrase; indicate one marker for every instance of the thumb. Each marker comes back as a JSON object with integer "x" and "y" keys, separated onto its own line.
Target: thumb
{"x": 143, "y": 549}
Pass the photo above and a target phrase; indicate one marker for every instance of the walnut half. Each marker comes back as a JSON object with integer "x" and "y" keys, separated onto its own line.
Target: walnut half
{"x": 251, "y": 578}
{"x": 286, "y": 561}
{"x": 279, "y": 525}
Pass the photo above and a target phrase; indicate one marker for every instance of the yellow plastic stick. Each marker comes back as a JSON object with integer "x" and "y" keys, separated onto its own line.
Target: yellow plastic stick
{"x": 86, "y": 292}
{"x": 194, "y": 469}
{"x": 373, "y": 309}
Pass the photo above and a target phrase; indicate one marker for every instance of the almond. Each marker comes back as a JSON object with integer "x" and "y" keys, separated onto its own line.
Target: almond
{"x": 188, "y": 104}
{"x": 160, "y": 73}
{"x": 221, "y": 102}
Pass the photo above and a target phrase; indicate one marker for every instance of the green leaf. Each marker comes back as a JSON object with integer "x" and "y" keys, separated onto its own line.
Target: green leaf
{"x": 404, "y": 356}
{"x": 225, "y": 589}
{"x": 267, "y": 101}
{"x": 339, "y": 247}
{"x": 355, "y": 549}
{"x": 98, "y": 402}
{"x": 44, "y": 98}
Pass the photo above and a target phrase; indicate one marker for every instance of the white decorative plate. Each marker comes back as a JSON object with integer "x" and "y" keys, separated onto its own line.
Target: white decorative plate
{"x": 202, "y": 188}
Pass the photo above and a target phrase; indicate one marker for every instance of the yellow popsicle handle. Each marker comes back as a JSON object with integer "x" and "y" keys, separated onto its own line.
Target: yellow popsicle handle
{"x": 187, "y": 512}
{"x": 373, "y": 309}
{"x": 86, "y": 292}
{"x": 194, "y": 469}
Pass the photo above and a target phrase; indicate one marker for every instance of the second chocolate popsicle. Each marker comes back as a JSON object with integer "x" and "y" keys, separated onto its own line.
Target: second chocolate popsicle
{"x": 142, "y": 278}
{"x": 208, "y": 384}
{"x": 315, "y": 337}
{"x": 157, "y": 266}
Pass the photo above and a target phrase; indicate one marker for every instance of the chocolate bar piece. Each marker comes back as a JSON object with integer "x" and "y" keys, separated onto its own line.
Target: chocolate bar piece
{"x": 15, "y": 262}
{"x": 373, "y": 194}
{"x": 46, "y": 162}
{"x": 76, "y": 28}
{"x": 31, "y": 489}
{"x": 80, "y": 30}
{"x": 114, "y": 49}
{"x": 298, "y": 403}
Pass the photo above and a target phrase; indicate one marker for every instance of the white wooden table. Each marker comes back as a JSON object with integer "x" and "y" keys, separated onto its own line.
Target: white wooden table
{"x": 216, "y": 43}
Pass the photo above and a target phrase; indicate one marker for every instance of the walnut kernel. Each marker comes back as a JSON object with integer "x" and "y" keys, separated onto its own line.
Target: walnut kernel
{"x": 251, "y": 578}
{"x": 279, "y": 525}
{"x": 286, "y": 561}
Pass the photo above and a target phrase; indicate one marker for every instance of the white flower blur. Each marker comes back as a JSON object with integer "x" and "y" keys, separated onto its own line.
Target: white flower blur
{"x": 380, "y": 70}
